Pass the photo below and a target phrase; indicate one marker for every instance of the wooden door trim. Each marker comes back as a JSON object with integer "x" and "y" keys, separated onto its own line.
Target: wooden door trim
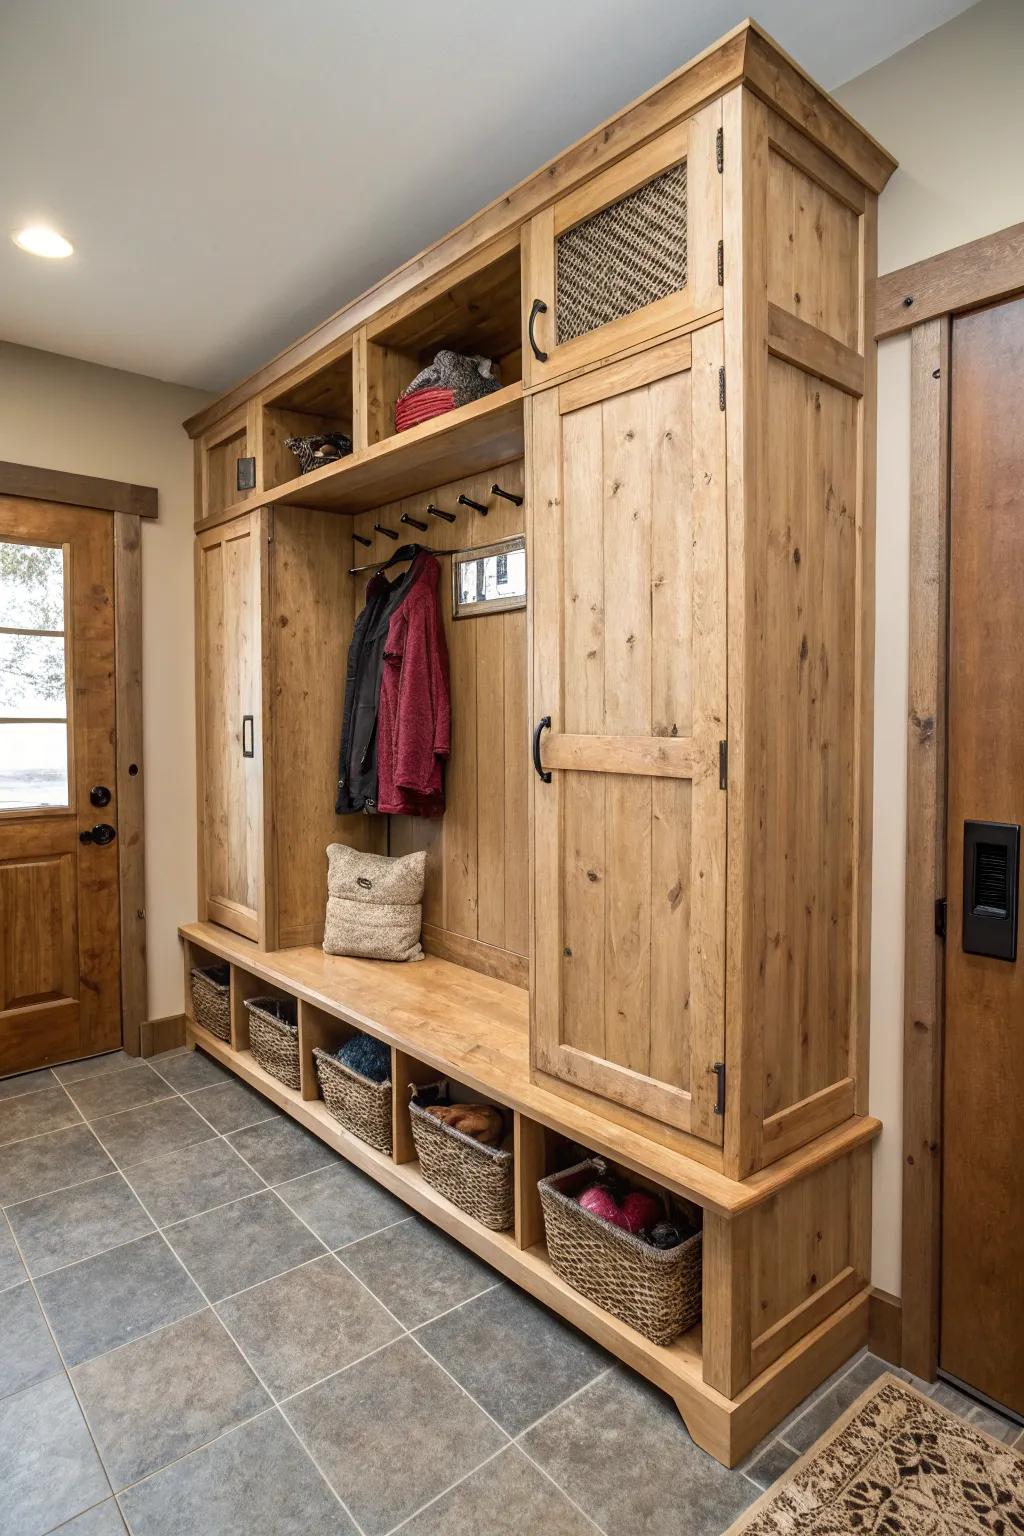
{"x": 980, "y": 272}
{"x": 924, "y": 957}
{"x": 128, "y": 504}
{"x": 33, "y": 484}
{"x": 130, "y": 778}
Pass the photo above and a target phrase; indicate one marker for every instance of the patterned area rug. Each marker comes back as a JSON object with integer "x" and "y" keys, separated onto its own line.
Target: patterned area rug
{"x": 895, "y": 1464}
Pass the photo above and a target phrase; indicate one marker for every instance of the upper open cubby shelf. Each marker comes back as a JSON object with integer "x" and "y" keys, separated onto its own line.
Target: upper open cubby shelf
{"x": 486, "y": 433}
{"x": 353, "y": 387}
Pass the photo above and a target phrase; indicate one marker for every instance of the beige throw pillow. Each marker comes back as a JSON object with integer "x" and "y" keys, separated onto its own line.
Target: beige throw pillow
{"x": 374, "y": 904}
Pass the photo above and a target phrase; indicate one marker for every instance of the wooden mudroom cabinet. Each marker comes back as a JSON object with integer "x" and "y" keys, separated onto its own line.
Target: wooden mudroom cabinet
{"x": 647, "y": 904}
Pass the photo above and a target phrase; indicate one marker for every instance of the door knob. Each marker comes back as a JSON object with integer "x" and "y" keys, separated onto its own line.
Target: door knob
{"x": 102, "y": 834}
{"x": 99, "y": 795}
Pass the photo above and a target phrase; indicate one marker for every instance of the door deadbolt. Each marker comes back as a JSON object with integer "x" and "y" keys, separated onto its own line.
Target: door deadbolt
{"x": 99, "y": 795}
{"x": 102, "y": 834}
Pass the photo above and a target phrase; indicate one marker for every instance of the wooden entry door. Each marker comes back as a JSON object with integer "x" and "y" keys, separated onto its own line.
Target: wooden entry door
{"x": 982, "y": 1316}
{"x": 59, "y": 911}
{"x": 628, "y": 632}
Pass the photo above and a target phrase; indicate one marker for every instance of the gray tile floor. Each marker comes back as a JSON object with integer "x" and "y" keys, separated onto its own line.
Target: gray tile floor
{"x": 210, "y": 1323}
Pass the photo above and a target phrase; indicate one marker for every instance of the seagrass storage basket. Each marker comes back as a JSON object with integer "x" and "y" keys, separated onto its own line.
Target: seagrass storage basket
{"x": 274, "y": 1036}
{"x": 654, "y": 1290}
{"x": 356, "y": 1102}
{"x": 211, "y": 999}
{"x": 476, "y": 1178}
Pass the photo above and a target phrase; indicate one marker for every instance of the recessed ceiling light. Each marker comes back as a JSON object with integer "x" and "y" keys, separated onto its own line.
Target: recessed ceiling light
{"x": 41, "y": 241}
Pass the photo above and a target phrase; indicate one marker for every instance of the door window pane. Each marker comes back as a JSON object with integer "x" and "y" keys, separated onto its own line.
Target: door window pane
{"x": 33, "y": 766}
{"x": 32, "y": 679}
{"x": 31, "y": 586}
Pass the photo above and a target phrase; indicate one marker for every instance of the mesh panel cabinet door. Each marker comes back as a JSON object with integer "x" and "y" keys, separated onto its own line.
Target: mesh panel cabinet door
{"x": 629, "y": 664}
{"x": 627, "y": 257}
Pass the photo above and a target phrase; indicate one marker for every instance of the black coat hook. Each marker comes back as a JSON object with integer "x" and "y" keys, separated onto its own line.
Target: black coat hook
{"x": 413, "y": 522}
{"x": 389, "y": 533}
{"x": 478, "y": 506}
{"x": 496, "y": 490}
{"x": 358, "y": 537}
{"x": 449, "y": 517}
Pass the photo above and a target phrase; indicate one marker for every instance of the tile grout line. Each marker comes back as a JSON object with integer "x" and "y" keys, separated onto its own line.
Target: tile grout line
{"x": 256, "y": 1375}
{"x": 501, "y": 1451}
{"x": 67, "y": 1375}
{"x": 571, "y": 1398}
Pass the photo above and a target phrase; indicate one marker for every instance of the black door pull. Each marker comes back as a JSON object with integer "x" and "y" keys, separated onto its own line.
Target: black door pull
{"x": 102, "y": 834}
{"x": 539, "y": 308}
{"x": 543, "y": 724}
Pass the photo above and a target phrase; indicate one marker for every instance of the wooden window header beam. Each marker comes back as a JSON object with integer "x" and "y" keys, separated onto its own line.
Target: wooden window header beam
{"x": 99, "y": 495}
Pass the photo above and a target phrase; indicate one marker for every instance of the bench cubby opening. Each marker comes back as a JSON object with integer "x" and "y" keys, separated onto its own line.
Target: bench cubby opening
{"x": 477, "y": 310}
{"x": 243, "y": 986}
{"x": 321, "y": 400}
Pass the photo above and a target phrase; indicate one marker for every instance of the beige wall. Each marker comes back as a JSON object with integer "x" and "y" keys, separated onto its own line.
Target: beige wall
{"x": 951, "y": 109}
{"x": 58, "y": 413}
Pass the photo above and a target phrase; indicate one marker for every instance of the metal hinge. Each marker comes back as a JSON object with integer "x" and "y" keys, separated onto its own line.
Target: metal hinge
{"x": 940, "y": 918}
{"x": 721, "y": 263}
{"x": 723, "y": 765}
{"x": 721, "y": 389}
{"x": 719, "y": 1071}
{"x": 720, "y": 151}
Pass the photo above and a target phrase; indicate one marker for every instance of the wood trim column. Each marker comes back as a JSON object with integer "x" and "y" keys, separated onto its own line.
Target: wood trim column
{"x": 923, "y": 988}
{"x": 131, "y": 835}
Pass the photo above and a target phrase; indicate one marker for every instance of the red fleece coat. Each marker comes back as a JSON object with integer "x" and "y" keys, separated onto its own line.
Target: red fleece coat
{"x": 414, "y": 716}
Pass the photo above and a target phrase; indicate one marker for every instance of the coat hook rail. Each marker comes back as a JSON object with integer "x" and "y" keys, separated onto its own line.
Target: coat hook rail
{"x": 478, "y": 506}
{"x": 496, "y": 490}
{"x": 433, "y": 511}
{"x": 413, "y": 522}
{"x": 389, "y": 533}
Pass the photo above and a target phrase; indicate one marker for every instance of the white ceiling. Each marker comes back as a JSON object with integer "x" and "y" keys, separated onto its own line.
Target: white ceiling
{"x": 231, "y": 171}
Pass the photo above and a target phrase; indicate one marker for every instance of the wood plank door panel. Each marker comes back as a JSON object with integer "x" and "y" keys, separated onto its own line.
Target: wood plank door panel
{"x": 628, "y": 652}
{"x": 59, "y": 903}
{"x": 229, "y": 579}
{"x": 982, "y": 1319}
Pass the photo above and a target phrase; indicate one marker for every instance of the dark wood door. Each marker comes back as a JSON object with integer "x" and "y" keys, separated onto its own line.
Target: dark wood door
{"x": 982, "y": 1320}
{"x": 59, "y": 914}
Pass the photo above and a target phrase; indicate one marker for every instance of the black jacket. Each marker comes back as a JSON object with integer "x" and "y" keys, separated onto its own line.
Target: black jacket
{"x": 357, "y": 758}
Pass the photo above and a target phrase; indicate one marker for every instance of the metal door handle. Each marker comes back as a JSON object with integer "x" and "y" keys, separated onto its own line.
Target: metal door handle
{"x": 102, "y": 834}
{"x": 543, "y": 724}
{"x": 539, "y": 308}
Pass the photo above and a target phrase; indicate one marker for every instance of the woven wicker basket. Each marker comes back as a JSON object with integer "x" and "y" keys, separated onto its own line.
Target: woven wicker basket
{"x": 356, "y": 1102}
{"x": 476, "y": 1178}
{"x": 655, "y": 1290}
{"x": 275, "y": 1045}
{"x": 211, "y": 999}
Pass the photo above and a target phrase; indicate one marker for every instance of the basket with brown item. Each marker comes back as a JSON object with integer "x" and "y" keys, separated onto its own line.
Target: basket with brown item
{"x": 211, "y": 999}
{"x": 359, "y": 1102}
{"x": 462, "y": 1155}
{"x": 274, "y": 1036}
{"x": 655, "y": 1290}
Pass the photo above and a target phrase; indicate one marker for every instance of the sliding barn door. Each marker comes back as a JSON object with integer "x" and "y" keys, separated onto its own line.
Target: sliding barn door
{"x": 628, "y": 572}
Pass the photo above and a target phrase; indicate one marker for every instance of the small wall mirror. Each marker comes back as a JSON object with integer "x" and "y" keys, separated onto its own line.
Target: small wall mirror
{"x": 491, "y": 579}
